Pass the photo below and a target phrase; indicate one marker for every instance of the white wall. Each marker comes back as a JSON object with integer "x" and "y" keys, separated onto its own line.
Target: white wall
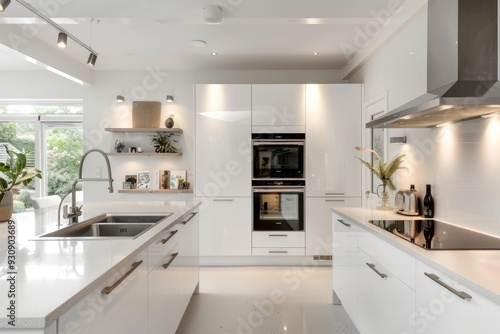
{"x": 460, "y": 162}
{"x": 101, "y": 111}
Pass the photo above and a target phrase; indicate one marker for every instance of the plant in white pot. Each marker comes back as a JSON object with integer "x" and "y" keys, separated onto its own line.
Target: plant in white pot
{"x": 13, "y": 172}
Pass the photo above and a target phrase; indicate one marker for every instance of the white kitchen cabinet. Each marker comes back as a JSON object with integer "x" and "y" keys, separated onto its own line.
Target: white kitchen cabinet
{"x": 393, "y": 299}
{"x": 223, "y": 140}
{"x": 188, "y": 260}
{"x": 278, "y": 106}
{"x": 333, "y": 129}
{"x": 119, "y": 305}
{"x": 319, "y": 222}
{"x": 164, "y": 311}
{"x": 344, "y": 263}
{"x": 439, "y": 310}
{"x": 225, "y": 226}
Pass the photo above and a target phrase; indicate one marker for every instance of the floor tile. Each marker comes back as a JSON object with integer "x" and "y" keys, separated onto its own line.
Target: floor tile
{"x": 262, "y": 300}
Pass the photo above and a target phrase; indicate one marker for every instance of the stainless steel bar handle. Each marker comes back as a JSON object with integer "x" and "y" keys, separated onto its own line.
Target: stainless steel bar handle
{"x": 280, "y": 142}
{"x": 343, "y": 222}
{"x": 223, "y": 200}
{"x": 372, "y": 266}
{"x": 334, "y": 194}
{"x": 165, "y": 265}
{"x": 334, "y": 200}
{"x": 192, "y": 215}
{"x": 278, "y": 252}
{"x": 278, "y": 189}
{"x": 107, "y": 290}
{"x": 435, "y": 278}
{"x": 164, "y": 241}
{"x": 278, "y": 235}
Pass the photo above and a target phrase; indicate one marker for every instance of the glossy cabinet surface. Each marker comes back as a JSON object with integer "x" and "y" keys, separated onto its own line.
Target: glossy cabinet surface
{"x": 278, "y": 105}
{"x": 223, "y": 140}
{"x": 438, "y": 310}
{"x": 225, "y": 226}
{"x": 318, "y": 222}
{"x": 344, "y": 263}
{"x": 333, "y": 129}
{"x": 123, "y": 310}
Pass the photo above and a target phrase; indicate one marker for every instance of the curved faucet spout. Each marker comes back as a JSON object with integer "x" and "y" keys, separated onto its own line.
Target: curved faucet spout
{"x": 75, "y": 211}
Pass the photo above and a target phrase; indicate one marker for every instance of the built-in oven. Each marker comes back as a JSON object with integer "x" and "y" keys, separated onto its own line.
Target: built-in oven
{"x": 278, "y": 205}
{"x": 278, "y": 155}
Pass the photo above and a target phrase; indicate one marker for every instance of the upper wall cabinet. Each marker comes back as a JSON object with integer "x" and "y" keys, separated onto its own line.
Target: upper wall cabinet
{"x": 276, "y": 107}
{"x": 333, "y": 129}
{"x": 223, "y": 140}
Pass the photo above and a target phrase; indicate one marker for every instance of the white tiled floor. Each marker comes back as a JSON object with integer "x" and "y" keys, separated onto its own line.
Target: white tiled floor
{"x": 261, "y": 300}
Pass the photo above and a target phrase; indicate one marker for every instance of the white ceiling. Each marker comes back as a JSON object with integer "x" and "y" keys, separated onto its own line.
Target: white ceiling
{"x": 254, "y": 34}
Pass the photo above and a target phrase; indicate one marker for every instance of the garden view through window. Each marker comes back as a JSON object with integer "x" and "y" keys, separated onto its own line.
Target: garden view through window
{"x": 53, "y": 138}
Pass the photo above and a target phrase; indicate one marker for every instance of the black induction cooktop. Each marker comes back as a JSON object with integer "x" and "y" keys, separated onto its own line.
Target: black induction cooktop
{"x": 433, "y": 234}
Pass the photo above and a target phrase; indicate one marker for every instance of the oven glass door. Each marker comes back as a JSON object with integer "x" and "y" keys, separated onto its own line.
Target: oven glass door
{"x": 278, "y": 209}
{"x": 277, "y": 160}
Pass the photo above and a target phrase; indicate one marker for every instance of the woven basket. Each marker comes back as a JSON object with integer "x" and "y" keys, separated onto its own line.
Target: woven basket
{"x": 146, "y": 114}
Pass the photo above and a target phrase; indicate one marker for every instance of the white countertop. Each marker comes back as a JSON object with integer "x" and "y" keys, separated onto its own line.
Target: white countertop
{"x": 479, "y": 270}
{"x": 53, "y": 275}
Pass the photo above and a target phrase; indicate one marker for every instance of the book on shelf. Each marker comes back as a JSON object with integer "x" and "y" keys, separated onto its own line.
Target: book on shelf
{"x": 177, "y": 176}
{"x": 164, "y": 179}
{"x": 144, "y": 180}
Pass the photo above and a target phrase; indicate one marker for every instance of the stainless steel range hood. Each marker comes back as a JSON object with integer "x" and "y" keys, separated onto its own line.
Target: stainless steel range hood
{"x": 462, "y": 67}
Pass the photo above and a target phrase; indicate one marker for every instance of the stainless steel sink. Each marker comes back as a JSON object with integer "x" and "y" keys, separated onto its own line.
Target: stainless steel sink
{"x": 109, "y": 226}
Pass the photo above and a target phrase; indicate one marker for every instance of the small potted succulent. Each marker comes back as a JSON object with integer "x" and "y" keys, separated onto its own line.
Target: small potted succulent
{"x": 12, "y": 173}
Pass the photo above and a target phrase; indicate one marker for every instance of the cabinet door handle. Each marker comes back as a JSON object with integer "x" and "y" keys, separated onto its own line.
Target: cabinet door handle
{"x": 334, "y": 200}
{"x": 164, "y": 241}
{"x": 435, "y": 278}
{"x": 223, "y": 200}
{"x": 344, "y": 223}
{"x": 278, "y": 235}
{"x": 372, "y": 267}
{"x": 192, "y": 215}
{"x": 107, "y": 290}
{"x": 165, "y": 265}
{"x": 334, "y": 194}
{"x": 278, "y": 252}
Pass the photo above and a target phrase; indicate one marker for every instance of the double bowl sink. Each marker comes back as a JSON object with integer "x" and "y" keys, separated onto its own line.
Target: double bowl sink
{"x": 108, "y": 226}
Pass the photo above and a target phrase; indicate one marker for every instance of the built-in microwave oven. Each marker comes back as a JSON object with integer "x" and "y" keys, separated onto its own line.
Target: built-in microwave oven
{"x": 278, "y": 155}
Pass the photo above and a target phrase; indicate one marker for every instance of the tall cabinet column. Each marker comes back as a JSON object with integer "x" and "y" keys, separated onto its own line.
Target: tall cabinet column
{"x": 333, "y": 175}
{"x": 223, "y": 169}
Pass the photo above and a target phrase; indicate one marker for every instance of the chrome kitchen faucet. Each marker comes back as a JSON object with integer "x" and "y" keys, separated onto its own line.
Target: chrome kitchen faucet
{"x": 74, "y": 212}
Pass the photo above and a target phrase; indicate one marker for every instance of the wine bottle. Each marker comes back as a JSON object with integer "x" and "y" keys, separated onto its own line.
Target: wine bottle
{"x": 428, "y": 202}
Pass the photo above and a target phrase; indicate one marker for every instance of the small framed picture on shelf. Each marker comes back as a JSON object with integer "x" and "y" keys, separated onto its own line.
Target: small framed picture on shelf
{"x": 144, "y": 180}
{"x": 164, "y": 179}
{"x": 177, "y": 176}
{"x": 132, "y": 179}
{"x": 126, "y": 185}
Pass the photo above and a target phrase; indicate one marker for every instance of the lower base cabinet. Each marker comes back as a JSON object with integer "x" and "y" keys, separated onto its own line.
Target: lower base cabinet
{"x": 452, "y": 308}
{"x": 391, "y": 292}
{"x": 117, "y": 306}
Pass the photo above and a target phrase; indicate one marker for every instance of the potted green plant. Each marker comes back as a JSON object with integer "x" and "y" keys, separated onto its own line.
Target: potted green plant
{"x": 12, "y": 173}
{"x": 162, "y": 143}
{"x": 384, "y": 172}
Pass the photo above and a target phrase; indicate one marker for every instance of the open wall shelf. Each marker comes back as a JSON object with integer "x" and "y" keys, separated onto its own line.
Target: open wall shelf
{"x": 167, "y": 130}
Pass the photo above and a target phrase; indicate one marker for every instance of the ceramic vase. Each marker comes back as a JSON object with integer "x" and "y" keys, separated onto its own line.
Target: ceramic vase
{"x": 6, "y": 206}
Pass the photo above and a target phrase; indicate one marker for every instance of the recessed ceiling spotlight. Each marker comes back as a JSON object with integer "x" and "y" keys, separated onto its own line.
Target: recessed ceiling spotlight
{"x": 214, "y": 53}
{"x": 315, "y": 53}
{"x": 198, "y": 43}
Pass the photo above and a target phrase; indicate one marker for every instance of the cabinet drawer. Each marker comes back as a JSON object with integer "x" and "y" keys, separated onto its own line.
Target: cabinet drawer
{"x": 392, "y": 298}
{"x": 273, "y": 251}
{"x": 370, "y": 320}
{"x": 162, "y": 245}
{"x": 278, "y": 239}
{"x": 396, "y": 261}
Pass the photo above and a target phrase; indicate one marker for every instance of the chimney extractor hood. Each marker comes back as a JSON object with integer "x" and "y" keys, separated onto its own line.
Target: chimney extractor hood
{"x": 462, "y": 67}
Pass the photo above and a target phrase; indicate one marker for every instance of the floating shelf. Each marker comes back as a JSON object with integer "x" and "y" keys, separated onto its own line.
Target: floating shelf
{"x": 171, "y": 130}
{"x": 154, "y": 191}
{"x": 145, "y": 154}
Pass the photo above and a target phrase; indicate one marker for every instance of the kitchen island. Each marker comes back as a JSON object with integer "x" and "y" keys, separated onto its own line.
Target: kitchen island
{"x": 388, "y": 284}
{"x": 46, "y": 278}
